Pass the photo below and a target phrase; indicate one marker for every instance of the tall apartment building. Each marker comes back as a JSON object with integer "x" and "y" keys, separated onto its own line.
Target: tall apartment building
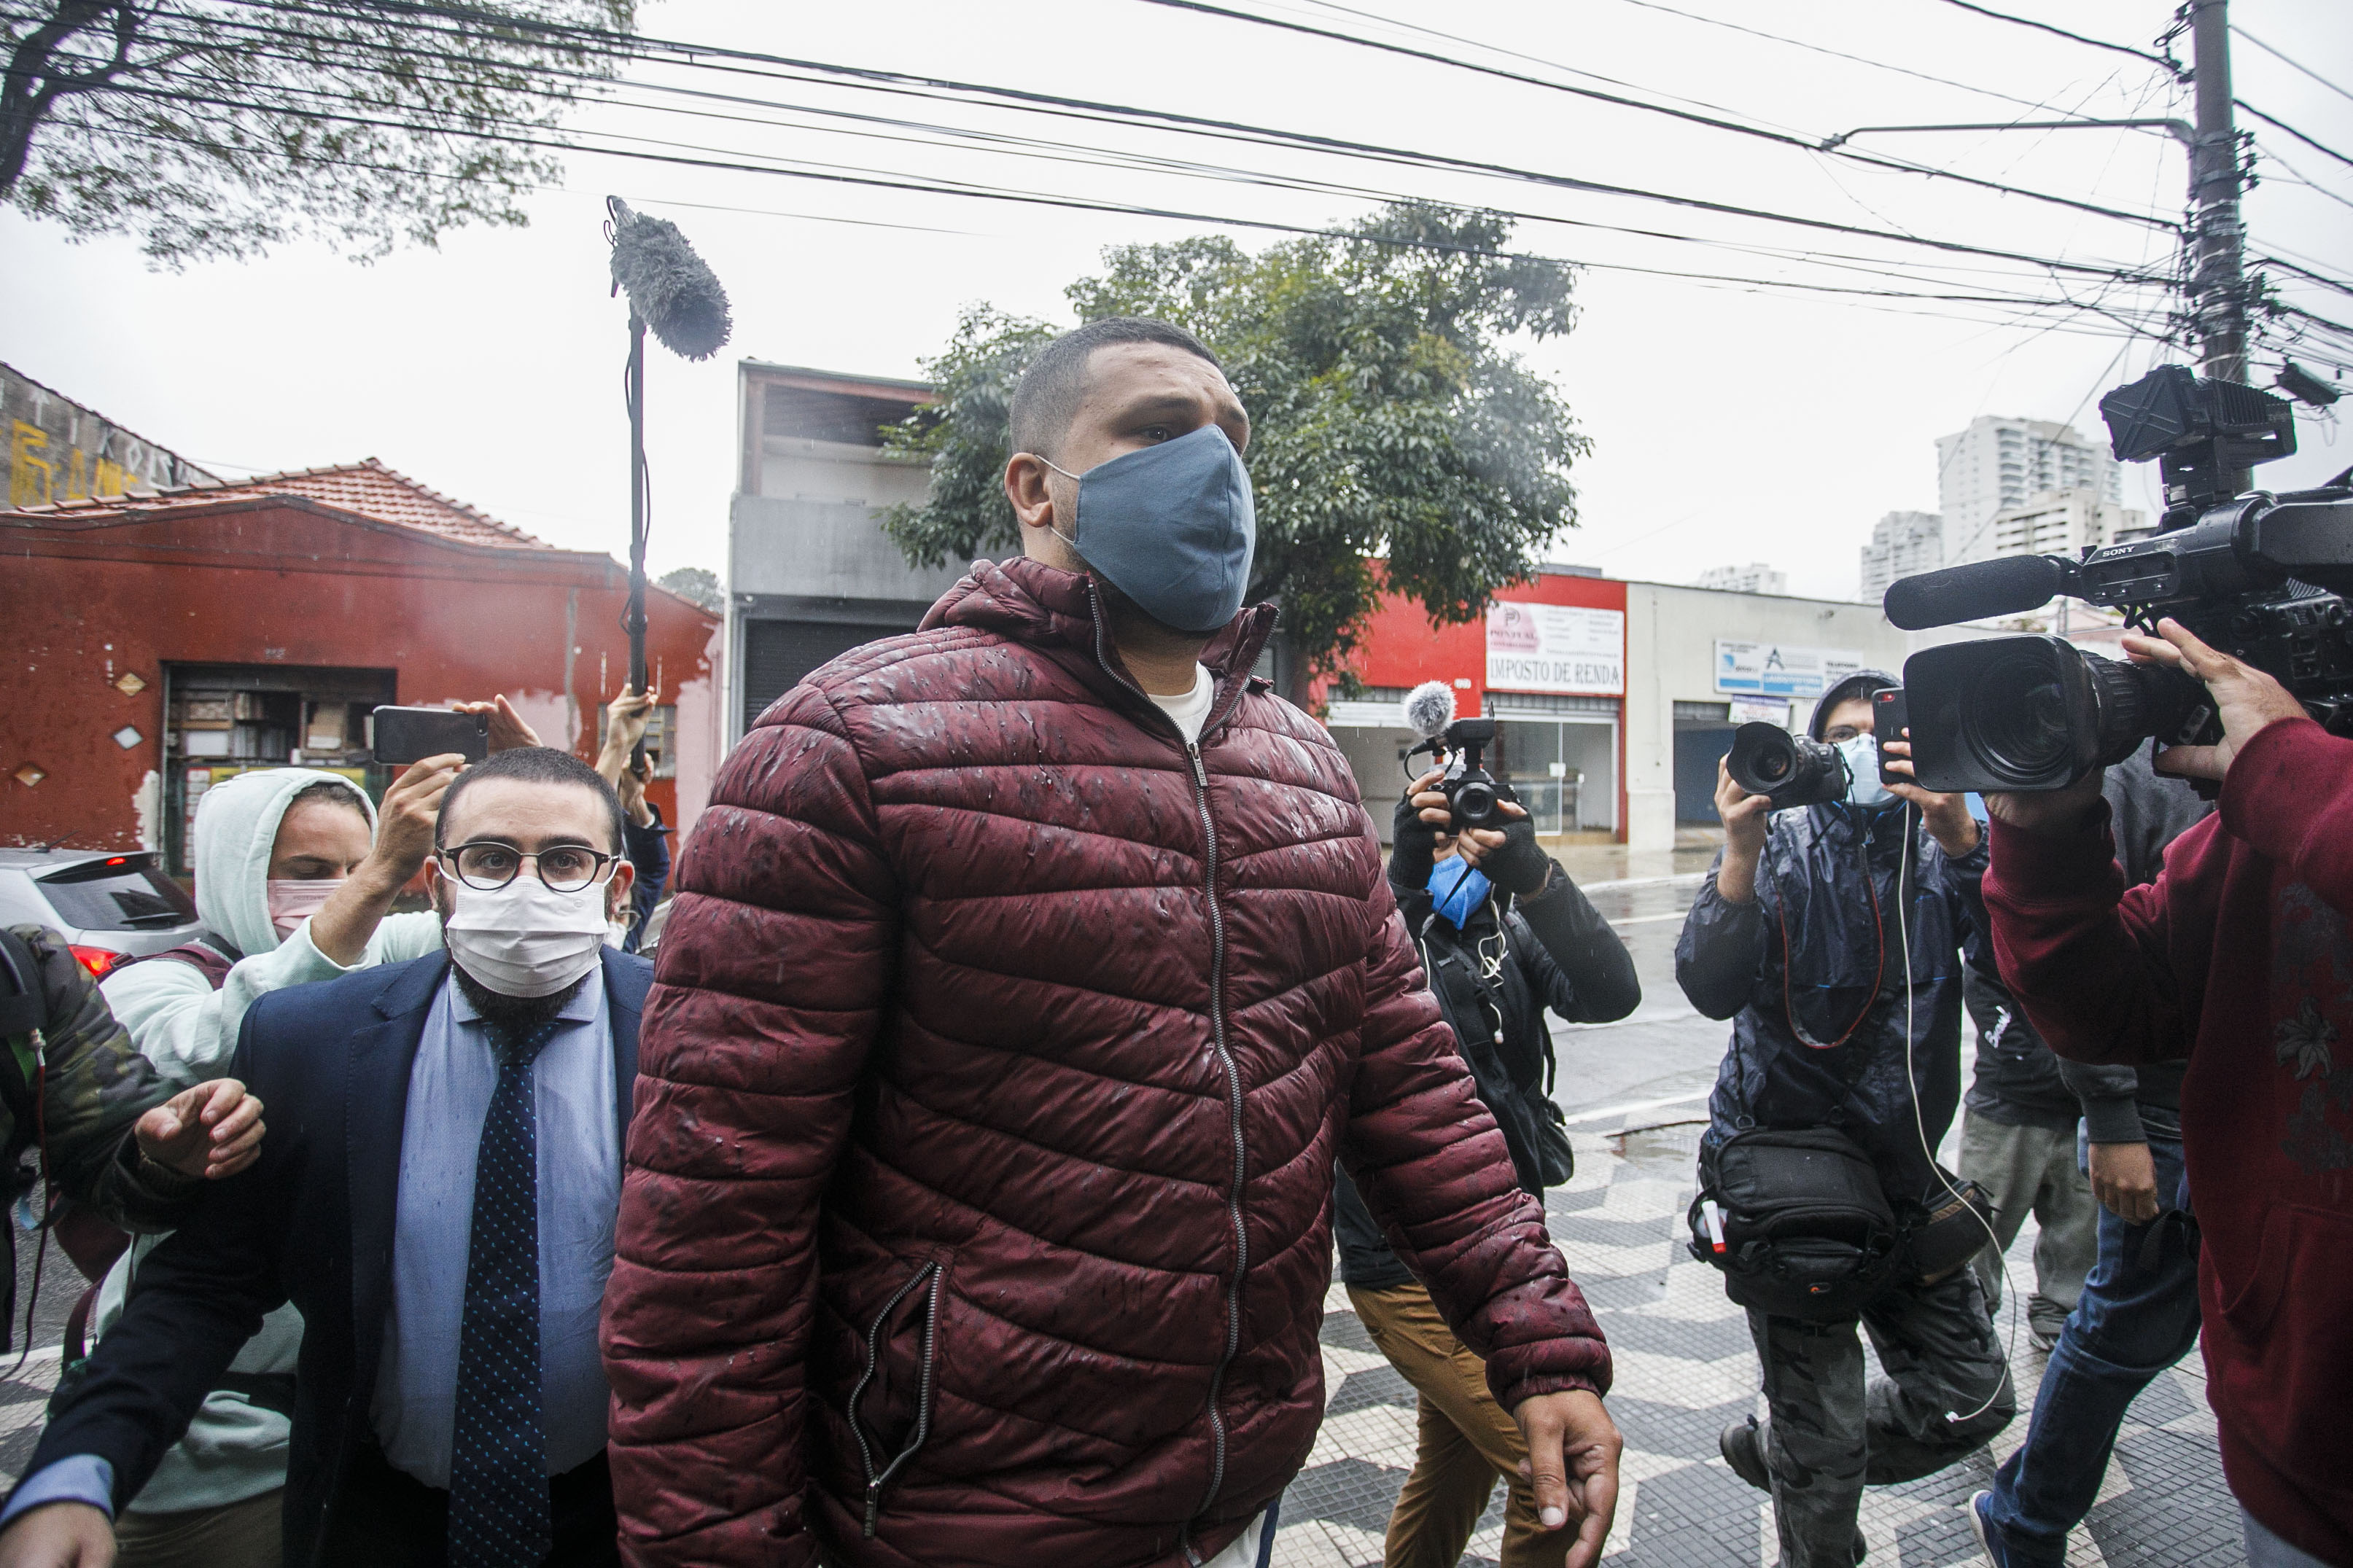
{"x": 1998, "y": 462}
{"x": 1756, "y": 577}
{"x": 1901, "y": 542}
{"x": 2061, "y": 522}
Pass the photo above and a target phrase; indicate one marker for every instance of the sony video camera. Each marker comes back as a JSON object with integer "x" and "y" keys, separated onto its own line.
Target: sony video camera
{"x": 1472, "y": 794}
{"x": 2257, "y": 576}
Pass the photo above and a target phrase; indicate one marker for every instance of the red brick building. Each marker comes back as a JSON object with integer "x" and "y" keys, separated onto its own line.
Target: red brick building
{"x": 165, "y": 642}
{"x": 1548, "y": 659}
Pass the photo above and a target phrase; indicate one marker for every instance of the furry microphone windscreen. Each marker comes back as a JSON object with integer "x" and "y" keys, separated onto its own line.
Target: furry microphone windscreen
{"x": 669, "y": 287}
{"x": 1429, "y": 707}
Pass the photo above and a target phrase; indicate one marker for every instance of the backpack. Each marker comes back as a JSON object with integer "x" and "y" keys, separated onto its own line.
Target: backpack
{"x": 90, "y": 1242}
{"x": 1807, "y": 1229}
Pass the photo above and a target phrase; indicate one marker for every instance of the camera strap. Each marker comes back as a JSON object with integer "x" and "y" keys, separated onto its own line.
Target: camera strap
{"x": 1879, "y": 927}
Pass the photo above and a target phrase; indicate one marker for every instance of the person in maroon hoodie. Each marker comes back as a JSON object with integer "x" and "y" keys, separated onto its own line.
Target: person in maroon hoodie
{"x": 2240, "y": 957}
{"x": 1028, "y": 976}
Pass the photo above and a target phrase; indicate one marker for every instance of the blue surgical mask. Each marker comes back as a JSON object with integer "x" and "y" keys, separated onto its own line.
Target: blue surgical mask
{"x": 1862, "y": 785}
{"x": 1456, "y": 889}
{"x": 1171, "y": 526}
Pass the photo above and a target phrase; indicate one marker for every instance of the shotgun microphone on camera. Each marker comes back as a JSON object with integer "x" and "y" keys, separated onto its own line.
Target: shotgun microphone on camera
{"x": 2007, "y": 585}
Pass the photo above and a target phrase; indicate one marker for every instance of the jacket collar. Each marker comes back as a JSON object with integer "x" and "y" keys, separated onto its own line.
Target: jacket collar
{"x": 1060, "y": 613}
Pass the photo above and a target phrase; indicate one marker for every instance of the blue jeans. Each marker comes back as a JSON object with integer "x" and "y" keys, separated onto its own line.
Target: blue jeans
{"x": 2137, "y": 1318}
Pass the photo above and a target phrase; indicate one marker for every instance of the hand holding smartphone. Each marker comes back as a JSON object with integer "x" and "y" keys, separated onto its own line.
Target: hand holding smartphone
{"x": 1889, "y": 716}
{"x": 404, "y": 735}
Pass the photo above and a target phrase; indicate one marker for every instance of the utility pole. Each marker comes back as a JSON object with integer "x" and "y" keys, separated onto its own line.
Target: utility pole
{"x": 2218, "y": 289}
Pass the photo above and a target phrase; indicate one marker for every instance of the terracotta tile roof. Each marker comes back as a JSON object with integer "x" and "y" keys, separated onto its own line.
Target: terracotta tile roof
{"x": 367, "y": 489}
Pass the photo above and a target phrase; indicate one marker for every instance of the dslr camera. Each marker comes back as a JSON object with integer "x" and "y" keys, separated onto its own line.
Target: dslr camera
{"x": 1789, "y": 770}
{"x": 1472, "y": 794}
{"x": 2257, "y": 576}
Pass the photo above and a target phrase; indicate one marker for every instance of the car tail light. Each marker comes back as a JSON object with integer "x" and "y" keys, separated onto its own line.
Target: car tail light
{"x": 100, "y": 961}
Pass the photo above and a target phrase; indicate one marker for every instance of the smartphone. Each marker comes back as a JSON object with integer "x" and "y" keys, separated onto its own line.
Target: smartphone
{"x": 404, "y": 735}
{"x": 1888, "y": 719}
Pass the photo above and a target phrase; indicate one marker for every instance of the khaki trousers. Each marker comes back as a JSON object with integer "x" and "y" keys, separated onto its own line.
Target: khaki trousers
{"x": 235, "y": 1535}
{"x": 1465, "y": 1441}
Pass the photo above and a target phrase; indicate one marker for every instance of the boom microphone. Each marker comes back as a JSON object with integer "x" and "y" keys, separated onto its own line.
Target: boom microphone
{"x": 669, "y": 287}
{"x": 2007, "y": 585}
{"x": 1428, "y": 709}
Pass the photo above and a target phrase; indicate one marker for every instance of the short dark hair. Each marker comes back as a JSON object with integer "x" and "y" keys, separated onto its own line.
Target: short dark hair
{"x": 540, "y": 765}
{"x": 1047, "y": 397}
{"x": 345, "y": 795}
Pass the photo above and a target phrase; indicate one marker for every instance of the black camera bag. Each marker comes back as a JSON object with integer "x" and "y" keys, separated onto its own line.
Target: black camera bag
{"x": 1807, "y": 1230}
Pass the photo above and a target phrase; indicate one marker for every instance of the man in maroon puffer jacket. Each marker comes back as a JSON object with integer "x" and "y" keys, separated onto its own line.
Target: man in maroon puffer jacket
{"x": 1027, "y": 977}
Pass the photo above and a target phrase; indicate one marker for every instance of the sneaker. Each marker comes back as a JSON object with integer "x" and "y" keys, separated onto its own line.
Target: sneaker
{"x": 2045, "y": 1336}
{"x": 1739, "y": 1445}
{"x": 1988, "y": 1533}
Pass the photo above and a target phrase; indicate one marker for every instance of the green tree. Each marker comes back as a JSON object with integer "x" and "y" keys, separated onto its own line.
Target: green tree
{"x": 1396, "y": 442}
{"x": 218, "y": 128}
{"x": 699, "y": 583}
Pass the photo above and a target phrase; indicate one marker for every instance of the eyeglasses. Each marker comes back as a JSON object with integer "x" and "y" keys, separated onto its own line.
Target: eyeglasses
{"x": 488, "y": 865}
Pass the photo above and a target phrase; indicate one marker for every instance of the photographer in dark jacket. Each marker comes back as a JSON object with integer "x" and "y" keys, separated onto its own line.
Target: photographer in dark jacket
{"x": 1503, "y": 935}
{"x": 1798, "y": 936}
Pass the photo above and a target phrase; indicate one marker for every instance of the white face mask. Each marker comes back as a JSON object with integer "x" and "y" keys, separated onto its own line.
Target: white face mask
{"x": 292, "y": 901}
{"x": 526, "y": 939}
{"x": 1864, "y": 788}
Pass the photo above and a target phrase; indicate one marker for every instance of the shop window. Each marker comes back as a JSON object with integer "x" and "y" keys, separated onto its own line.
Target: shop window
{"x": 224, "y": 720}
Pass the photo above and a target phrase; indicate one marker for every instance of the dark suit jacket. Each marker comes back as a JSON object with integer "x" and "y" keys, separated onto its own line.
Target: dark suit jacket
{"x": 310, "y": 1222}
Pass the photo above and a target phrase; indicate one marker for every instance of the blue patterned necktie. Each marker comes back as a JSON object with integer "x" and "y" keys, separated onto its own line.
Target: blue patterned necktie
{"x": 498, "y": 1480}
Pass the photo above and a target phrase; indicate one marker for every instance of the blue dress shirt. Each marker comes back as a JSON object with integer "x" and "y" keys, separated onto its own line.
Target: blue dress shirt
{"x": 449, "y": 1087}
{"x": 579, "y": 1148}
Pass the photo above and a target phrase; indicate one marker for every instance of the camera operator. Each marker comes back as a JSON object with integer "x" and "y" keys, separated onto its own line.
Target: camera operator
{"x": 1798, "y": 934}
{"x": 2238, "y": 957}
{"x": 1503, "y": 935}
{"x": 2138, "y": 1310}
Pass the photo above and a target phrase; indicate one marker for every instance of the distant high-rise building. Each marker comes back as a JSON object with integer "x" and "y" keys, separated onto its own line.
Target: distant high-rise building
{"x": 1756, "y": 577}
{"x": 2063, "y": 522}
{"x": 1903, "y": 542}
{"x": 1998, "y": 462}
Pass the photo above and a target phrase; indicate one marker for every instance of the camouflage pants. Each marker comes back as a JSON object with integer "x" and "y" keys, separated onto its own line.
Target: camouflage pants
{"x": 1828, "y": 1436}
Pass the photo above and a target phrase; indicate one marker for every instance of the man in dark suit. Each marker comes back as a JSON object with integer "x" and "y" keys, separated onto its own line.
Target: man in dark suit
{"x": 437, "y": 1195}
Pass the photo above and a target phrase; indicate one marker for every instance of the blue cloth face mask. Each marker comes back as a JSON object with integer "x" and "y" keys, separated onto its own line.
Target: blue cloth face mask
{"x": 1862, "y": 785}
{"x": 1171, "y": 527}
{"x": 1456, "y": 889}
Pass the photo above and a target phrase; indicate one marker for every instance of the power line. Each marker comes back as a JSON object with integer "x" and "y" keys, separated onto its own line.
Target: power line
{"x": 2165, "y": 61}
{"x": 2298, "y": 176}
{"x": 1783, "y": 138}
{"x": 858, "y": 76}
{"x": 2283, "y": 125}
{"x": 892, "y": 180}
{"x": 2290, "y": 62}
{"x": 864, "y": 80}
{"x": 1836, "y": 54}
{"x": 1020, "y": 146}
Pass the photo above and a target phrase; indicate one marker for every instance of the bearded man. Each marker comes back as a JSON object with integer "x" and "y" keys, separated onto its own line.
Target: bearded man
{"x": 436, "y": 1195}
{"x": 1029, "y": 975}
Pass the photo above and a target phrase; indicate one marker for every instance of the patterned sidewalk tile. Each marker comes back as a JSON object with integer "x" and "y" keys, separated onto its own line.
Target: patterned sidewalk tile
{"x": 1685, "y": 1368}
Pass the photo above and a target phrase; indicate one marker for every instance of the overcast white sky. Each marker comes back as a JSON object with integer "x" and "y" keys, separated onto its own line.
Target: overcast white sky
{"x": 1727, "y": 424}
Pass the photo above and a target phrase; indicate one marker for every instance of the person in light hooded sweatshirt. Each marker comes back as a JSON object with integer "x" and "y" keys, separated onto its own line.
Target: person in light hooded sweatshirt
{"x": 295, "y": 874}
{"x": 295, "y": 878}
